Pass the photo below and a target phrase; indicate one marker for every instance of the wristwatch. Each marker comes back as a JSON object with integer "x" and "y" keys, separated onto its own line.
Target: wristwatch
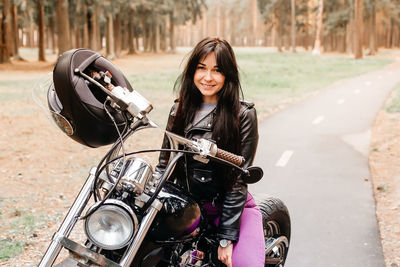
{"x": 224, "y": 243}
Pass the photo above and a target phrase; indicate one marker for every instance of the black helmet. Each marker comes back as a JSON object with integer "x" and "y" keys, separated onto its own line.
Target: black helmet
{"x": 77, "y": 105}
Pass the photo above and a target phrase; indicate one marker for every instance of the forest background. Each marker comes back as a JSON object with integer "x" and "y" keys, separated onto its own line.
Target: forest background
{"x": 127, "y": 26}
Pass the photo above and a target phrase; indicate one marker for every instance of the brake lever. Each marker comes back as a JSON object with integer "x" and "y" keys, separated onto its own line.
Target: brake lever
{"x": 180, "y": 139}
{"x": 204, "y": 147}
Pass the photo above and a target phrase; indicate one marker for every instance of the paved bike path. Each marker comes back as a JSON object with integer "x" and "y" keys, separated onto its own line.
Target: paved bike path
{"x": 315, "y": 158}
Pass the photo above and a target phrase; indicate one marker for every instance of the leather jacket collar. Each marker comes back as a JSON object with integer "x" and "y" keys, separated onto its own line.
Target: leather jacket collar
{"x": 204, "y": 124}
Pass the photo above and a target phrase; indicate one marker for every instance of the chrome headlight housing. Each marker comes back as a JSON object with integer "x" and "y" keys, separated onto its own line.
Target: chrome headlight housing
{"x": 111, "y": 226}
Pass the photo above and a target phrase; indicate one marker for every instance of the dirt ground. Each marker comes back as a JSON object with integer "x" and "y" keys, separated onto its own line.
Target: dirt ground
{"x": 42, "y": 170}
{"x": 385, "y": 171}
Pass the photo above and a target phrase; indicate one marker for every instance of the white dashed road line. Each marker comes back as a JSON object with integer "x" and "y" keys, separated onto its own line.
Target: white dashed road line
{"x": 284, "y": 159}
{"x": 318, "y": 119}
{"x": 340, "y": 101}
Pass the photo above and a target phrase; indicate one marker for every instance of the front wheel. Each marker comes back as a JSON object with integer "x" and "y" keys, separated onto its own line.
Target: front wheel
{"x": 276, "y": 225}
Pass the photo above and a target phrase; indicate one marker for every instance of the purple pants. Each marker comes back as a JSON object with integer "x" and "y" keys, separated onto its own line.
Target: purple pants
{"x": 250, "y": 249}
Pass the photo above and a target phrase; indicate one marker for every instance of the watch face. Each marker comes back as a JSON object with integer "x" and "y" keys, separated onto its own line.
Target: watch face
{"x": 223, "y": 243}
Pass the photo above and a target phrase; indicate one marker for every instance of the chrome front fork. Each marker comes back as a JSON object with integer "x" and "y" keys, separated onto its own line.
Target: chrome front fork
{"x": 69, "y": 222}
{"x": 143, "y": 229}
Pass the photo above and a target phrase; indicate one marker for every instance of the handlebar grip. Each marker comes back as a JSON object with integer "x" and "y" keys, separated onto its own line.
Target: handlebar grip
{"x": 228, "y": 156}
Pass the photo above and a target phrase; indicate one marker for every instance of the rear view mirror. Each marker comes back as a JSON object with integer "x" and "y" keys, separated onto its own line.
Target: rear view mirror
{"x": 254, "y": 175}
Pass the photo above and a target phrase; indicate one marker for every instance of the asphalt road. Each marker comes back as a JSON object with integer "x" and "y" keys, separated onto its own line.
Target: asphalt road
{"x": 315, "y": 158}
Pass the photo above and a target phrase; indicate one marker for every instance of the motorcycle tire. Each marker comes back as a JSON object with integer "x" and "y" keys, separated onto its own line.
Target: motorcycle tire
{"x": 276, "y": 225}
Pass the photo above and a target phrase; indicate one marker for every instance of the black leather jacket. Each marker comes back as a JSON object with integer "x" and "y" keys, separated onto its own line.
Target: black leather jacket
{"x": 199, "y": 178}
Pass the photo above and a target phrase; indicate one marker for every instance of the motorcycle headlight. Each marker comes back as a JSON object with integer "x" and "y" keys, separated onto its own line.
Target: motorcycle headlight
{"x": 112, "y": 225}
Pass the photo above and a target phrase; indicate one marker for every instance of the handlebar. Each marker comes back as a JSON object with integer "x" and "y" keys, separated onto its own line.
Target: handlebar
{"x": 228, "y": 156}
{"x": 121, "y": 98}
{"x": 205, "y": 148}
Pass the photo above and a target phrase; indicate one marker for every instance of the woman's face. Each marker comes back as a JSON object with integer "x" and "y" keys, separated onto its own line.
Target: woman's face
{"x": 208, "y": 79}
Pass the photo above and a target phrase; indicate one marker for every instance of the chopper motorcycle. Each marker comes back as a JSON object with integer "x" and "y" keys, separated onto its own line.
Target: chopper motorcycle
{"x": 139, "y": 217}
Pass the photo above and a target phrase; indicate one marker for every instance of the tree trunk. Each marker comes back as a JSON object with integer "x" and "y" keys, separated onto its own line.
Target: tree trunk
{"x": 293, "y": 26}
{"x": 204, "y": 25}
{"x": 99, "y": 36}
{"x": 349, "y": 36}
{"x": 1, "y": 37}
{"x": 342, "y": 43}
{"x": 152, "y": 38}
{"x": 392, "y": 33}
{"x": 53, "y": 34}
{"x": 172, "y": 32}
{"x": 117, "y": 34}
{"x": 85, "y": 30}
{"x": 110, "y": 37}
{"x": 64, "y": 42}
{"x": 4, "y": 54}
{"x": 396, "y": 38}
{"x": 372, "y": 30}
{"x": 218, "y": 18}
{"x": 157, "y": 38}
{"x": 124, "y": 34}
{"x": 317, "y": 44}
{"x": 7, "y": 28}
{"x": 281, "y": 35}
{"x": 74, "y": 39}
{"x": 389, "y": 34}
{"x": 79, "y": 35}
{"x": 131, "y": 36}
{"x": 254, "y": 22}
{"x": 49, "y": 45}
{"x": 232, "y": 26}
{"x": 93, "y": 28}
{"x": 306, "y": 34}
{"x": 14, "y": 14}
{"x": 148, "y": 35}
{"x": 11, "y": 38}
{"x": 286, "y": 40}
{"x": 358, "y": 24}
{"x": 145, "y": 38}
{"x": 163, "y": 42}
{"x": 31, "y": 35}
{"x": 274, "y": 30}
{"x": 40, "y": 18}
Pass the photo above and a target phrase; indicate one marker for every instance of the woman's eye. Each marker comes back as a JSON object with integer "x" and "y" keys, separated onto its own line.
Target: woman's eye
{"x": 200, "y": 67}
{"x": 217, "y": 70}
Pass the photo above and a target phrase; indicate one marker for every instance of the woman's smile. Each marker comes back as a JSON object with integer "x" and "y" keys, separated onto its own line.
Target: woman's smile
{"x": 209, "y": 86}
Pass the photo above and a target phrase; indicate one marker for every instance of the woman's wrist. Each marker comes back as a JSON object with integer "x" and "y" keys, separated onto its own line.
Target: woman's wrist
{"x": 225, "y": 243}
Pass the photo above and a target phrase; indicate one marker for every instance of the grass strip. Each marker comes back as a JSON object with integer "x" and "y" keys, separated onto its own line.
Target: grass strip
{"x": 10, "y": 248}
{"x": 394, "y": 104}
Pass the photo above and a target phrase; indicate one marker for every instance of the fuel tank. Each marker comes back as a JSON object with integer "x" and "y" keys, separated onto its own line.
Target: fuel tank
{"x": 179, "y": 216}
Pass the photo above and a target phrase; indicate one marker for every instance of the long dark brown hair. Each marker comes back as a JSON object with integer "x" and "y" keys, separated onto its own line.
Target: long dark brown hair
{"x": 226, "y": 121}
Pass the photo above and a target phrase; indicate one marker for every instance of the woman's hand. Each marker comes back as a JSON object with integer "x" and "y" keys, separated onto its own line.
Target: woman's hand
{"x": 225, "y": 255}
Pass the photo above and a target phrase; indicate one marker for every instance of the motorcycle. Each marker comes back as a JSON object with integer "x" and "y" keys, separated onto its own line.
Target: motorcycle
{"x": 140, "y": 217}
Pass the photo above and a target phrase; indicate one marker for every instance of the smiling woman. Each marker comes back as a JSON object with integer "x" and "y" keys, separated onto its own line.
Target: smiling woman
{"x": 209, "y": 107}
